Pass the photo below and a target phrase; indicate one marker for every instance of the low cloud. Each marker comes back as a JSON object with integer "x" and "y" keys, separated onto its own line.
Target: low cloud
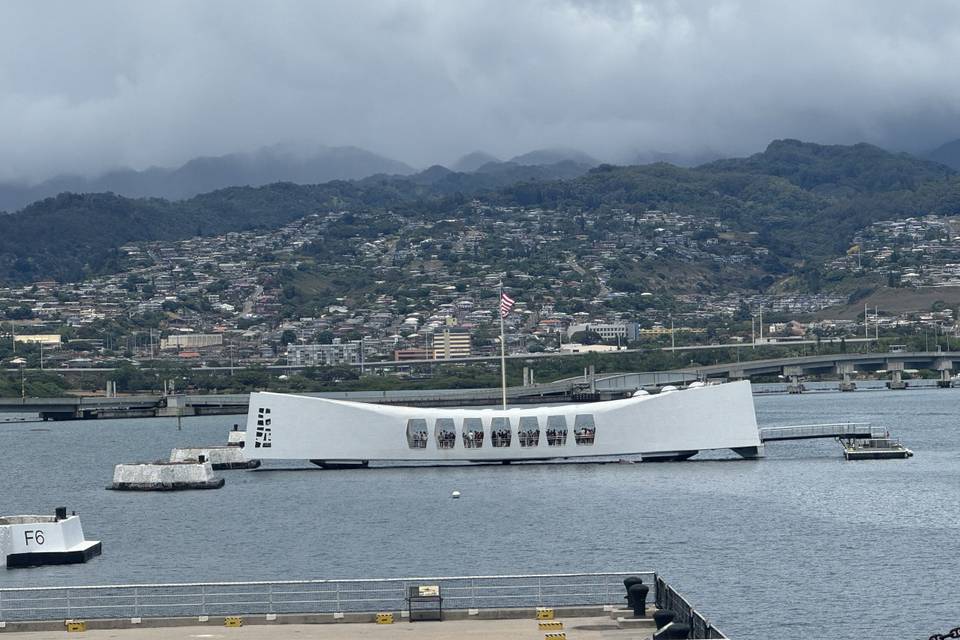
{"x": 92, "y": 86}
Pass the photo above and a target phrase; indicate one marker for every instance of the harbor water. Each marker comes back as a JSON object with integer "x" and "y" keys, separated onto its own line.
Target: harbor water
{"x": 799, "y": 544}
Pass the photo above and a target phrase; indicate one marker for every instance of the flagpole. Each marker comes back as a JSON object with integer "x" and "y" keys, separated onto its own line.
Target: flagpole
{"x": 503, "y": 352}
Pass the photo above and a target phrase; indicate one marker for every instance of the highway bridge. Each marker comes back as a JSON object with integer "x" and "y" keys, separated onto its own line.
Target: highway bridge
{"x": 844, "y": 365}
{"x": 589, "y": 387}
{"x": 138, "y": 406}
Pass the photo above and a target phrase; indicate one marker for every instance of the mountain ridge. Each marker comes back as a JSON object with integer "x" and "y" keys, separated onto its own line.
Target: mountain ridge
{"x": 948, "y": 153}
{"x": 803, "y": 201}
{"x": 209, "y": 173}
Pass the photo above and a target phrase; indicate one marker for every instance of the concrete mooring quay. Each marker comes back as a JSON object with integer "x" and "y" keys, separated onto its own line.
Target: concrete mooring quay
{"x": 544, "y": 606}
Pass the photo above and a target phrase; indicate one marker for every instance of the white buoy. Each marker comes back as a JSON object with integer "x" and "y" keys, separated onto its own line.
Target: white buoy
{"x": 455, "y": 495}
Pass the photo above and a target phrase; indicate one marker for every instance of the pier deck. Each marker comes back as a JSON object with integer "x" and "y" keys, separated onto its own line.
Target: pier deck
{"x": 581, "y": 628}
{"x": 504, "y": 606}
{"x": 592, "y": 628}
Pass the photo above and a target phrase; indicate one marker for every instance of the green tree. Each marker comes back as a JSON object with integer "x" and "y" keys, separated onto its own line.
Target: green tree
{"x": 23, "y": 312}
{"x": 587, "y": 337}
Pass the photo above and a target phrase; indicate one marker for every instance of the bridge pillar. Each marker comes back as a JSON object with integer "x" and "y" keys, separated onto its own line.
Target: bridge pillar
{"x": 895, "y": 367}
{"x": 945, "y": 367}
{"x": 793, "y": 373}
{"x": 846, "y": 369}
{"x": 737, "y": 374}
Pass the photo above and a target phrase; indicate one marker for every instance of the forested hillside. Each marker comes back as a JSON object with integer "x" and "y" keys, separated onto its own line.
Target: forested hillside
{"x": 804, "y": 200}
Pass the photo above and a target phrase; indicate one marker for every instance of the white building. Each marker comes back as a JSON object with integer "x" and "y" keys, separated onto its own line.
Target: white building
{"x": 626, "y": 331}
{"x": 323, "y": 355}
{"x": 191, "y": 341}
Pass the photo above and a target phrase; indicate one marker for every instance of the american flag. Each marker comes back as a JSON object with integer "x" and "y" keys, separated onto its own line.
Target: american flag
{"x": 506, "y": 303}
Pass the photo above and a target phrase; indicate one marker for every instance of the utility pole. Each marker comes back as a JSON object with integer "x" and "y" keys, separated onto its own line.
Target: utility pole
{"x": 876, "y": 323}
{"x": 673, "y": 342}
{"x": 866, "y": 328}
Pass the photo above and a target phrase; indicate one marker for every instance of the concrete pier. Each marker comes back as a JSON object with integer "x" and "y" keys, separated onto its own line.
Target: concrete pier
{"x": 220, "y": 458}
{"x": 164, "y": 476}
{"x": 35, "y": 540}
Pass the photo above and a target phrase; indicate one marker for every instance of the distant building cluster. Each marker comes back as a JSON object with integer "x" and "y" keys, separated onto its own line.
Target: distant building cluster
{"x": 345, "y": 287}
{"x": 914, "y": 252}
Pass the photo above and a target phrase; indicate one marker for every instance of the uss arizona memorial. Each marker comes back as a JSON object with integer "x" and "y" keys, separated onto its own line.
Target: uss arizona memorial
{"x": 671, "y": 425}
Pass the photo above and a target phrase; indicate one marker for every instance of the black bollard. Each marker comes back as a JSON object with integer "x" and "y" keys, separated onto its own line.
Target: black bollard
{"x": 663, "y": 617}
{"x": 638, "y": 595}
{"x": 629, "y": 582}
{"x": 672, "y": 631}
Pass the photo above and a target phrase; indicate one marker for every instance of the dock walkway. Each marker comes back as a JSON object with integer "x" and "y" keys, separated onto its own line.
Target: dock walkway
{"x": 812, "y": 431}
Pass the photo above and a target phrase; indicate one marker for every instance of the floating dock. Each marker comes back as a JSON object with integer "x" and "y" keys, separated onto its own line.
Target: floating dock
{"x": 165, "y": 476}
{"x": 30, "y": 541}
{"x": 884, "y": 448}
{"x": 860, "y": 440}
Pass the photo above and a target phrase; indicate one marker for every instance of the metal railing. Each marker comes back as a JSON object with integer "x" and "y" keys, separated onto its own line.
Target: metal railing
{"x": 668, "y": 598}
{"x": 310, "y": 596}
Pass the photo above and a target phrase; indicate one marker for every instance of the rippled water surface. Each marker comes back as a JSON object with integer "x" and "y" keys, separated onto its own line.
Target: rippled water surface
{"x": 800, "y": 544}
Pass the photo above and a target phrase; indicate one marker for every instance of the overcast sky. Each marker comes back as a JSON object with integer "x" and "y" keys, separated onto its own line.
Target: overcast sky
{"x": 86, "y": 86}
